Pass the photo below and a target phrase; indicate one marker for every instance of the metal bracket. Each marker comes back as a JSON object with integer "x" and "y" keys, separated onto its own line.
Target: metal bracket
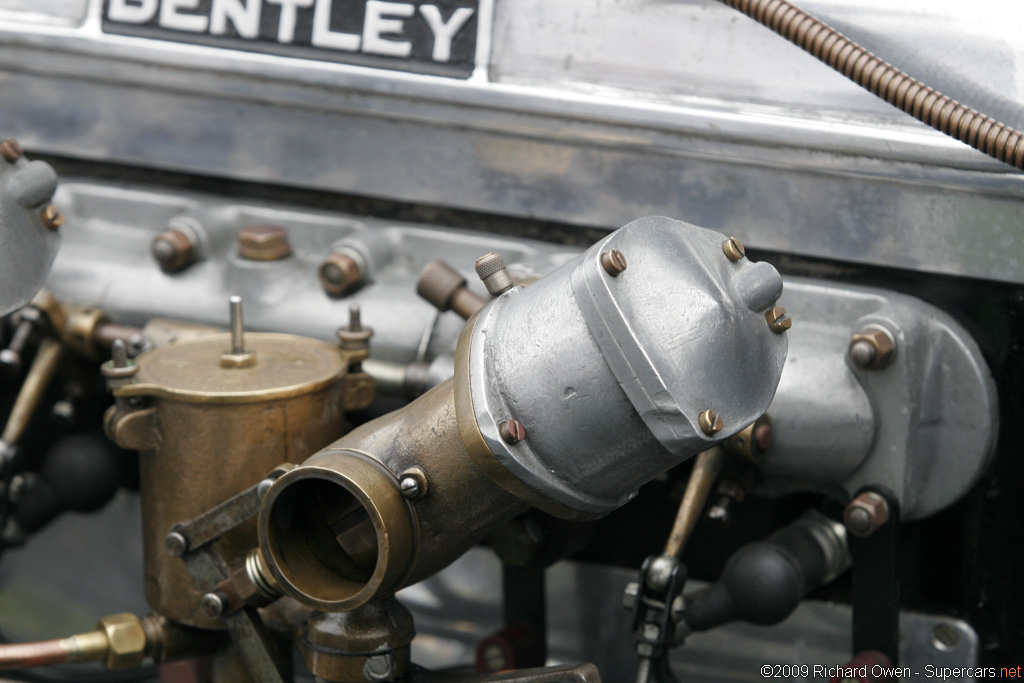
{"x": 194, "y": 541}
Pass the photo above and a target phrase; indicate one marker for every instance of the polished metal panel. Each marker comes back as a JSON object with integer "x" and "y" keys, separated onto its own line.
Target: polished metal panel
{"x": 593, "y": 128}
{"x": 591, "y": 362}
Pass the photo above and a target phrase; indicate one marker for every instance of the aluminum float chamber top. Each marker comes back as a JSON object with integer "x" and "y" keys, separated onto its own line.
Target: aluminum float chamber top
{"x": 608, "y": 374}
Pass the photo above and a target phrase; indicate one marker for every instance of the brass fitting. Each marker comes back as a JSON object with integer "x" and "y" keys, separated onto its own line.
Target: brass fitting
{"x": 340, "y": 273}
{"x": 126, "y": 640}
{"x": 263, "y": 243}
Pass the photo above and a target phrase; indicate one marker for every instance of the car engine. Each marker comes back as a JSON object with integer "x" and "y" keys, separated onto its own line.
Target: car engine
{"x": 358, "y": 341}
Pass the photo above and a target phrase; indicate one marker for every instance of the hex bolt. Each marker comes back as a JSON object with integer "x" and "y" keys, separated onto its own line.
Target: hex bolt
{"x": 176, "y": 543}
{"x": 613, "y": 262}
{"x": 866, "y": 514}
{"x": 52, "y": 217}
{"x": 174, "y": 250}
{"x": 380, "y": 667}
{"x": 340, "y": 273}
{"x": 10, "y": 150}
{"x": 413, "y": 483}
{"x": 871, "y": 349}
{"x": 710, "y": 422}
{"x": 777, "y": 320}
{"x": 945, "y": 637}
{"x": 492, "y": 272}
{"x": 263, "y": 243}
{"x": 213, "y": 604}
{"x": 512, "y": 431}
{"x": 733, "y": 249}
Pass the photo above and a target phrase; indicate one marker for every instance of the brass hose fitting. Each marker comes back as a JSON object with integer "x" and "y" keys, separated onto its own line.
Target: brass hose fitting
{"x": 910, "y": 95}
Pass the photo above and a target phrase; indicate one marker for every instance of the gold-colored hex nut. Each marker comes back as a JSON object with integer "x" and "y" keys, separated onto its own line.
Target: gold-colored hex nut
{"x": 127, "y": 639}
{"x": 872, "y": 349}
{"x": 866, "y": 514}
{"x": 263, "y": 243}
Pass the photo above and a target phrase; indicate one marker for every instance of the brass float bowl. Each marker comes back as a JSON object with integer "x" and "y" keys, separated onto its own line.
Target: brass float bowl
{"x": 206, "y": 432}
{"x": 337, "y": 532}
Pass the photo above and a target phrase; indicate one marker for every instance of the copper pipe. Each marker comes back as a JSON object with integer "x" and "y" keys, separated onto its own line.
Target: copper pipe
{"x": 705, "y": 471}
{"x": 84, "y": 647}
{"x": 910, "y": 95}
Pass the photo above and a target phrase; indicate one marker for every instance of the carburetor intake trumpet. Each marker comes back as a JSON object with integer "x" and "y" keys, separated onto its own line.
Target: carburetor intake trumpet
{"x": 655, "y": 344}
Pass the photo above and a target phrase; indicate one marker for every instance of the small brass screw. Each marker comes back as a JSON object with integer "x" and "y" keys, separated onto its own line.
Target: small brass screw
{"x": 710, "y": 422}
{"x": 52, "y": 217}
{"x": 777, "y": 320}
{"x": 512, "y": 431}
{"x": 614, "y": 262}
{"x": 733, "y": 249}
{"x": 10, "y": 150}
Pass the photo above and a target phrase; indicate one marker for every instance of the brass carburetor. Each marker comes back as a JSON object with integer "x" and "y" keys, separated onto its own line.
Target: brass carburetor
{"x": 210, "y": 417}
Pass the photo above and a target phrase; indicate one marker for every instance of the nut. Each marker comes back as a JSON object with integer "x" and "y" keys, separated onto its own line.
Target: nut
{"x": 777, "y": 320}
{"x": 866, "y": 514}
{"x": 872, "y": 349}
{"x": 263, "y": 243}
{"x": 614, "y": 262}
{"x": 173, "y": 250}
{"x": 126, "y": 638}
{"x": 710, "y": 422}
{"x": 339, "y": 274}
{"x": 52, "y": 217}
{"x": 733, "y": 249}
{"x": 10, "y": 150}
{"x": 512, "y": 431}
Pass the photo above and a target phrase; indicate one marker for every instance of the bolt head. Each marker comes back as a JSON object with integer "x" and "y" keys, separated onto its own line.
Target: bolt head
{"x": 631, "y": 595}
{"x": 710, "y": 422}
{"x": 778, "y": 322}
{"x": 380, "y": 667}
{"x": 176, "y": 544}
{"x": 52, "y": 217}
{"x": 339, "y": 274}
{"x": 263, "y": 487}
{"x": 512, "y": 431}
{"x": 213, "y": 605}
{"x": 871, "y": 349}
{"x": 173, "y": 250}
{"x": 866, "y": 514}
{"x": 733, "y": 249}
{"x": 10, "y": 150}
{"x": 613, "y": 262}
{"x": 263, "y": 243}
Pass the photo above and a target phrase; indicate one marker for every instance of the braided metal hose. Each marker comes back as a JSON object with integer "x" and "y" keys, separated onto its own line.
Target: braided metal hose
{"x": 925, "y": 104}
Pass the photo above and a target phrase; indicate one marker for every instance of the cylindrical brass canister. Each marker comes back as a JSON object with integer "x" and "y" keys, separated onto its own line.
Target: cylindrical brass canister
{"x": 208, "y": 429}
